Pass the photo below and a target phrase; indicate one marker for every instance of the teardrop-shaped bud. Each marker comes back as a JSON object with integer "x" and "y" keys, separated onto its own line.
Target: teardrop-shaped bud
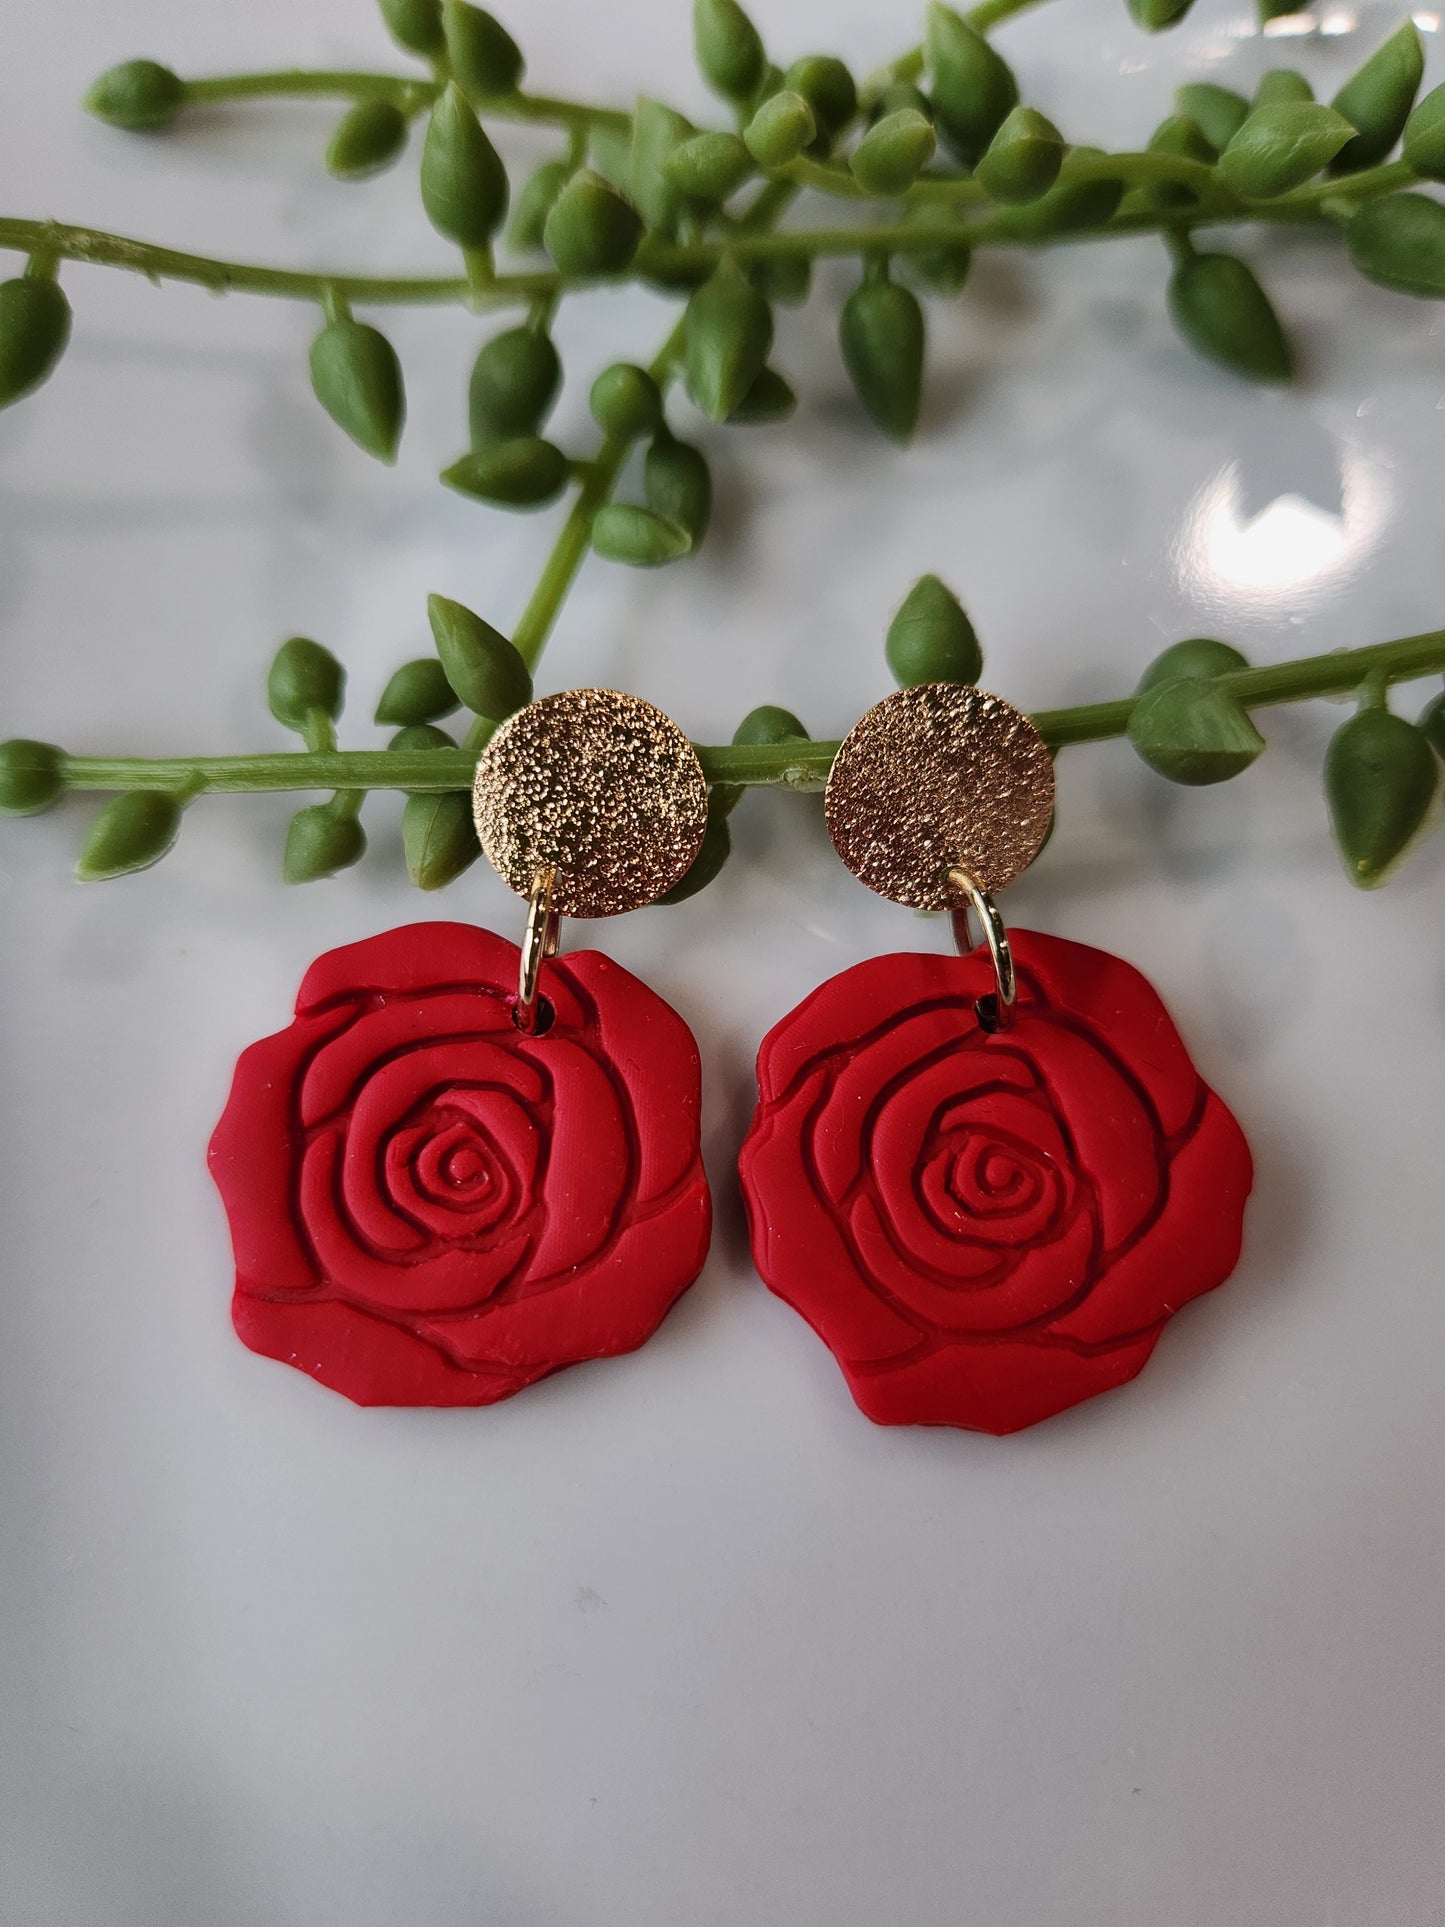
{"x": 973, "y": 87}
{"x": 782, "y": 277}
{"x": 729, "y": 333}
{"x": 421, "y": 736}
{"x": 657, "y": 133}
{"x": 320, "y": 841}
{"x": 625, "y": 401}
{"x": 304, "y": 681}
{"x": 1279, "y": 148}
{"x": 131, "y": 833}
{"x": 881, "y": 334}
{"x": 678, "y": 485}
{"x": 368, "y": 138}
{"x": 438, "y": 838}
{"x": 32, "y": 776}
{"x": 1381, "y": 776}
{"x": 140, "y": 95}
{"x": 526, "y": 473}
{"x": 1023, "y": 158}
{"x": 1397, "y": 240}
{"x": 931, "y": 639}
{"x": 713, "y": 853}
{"x": 779, "y": 131}
{"x": 1191, "y": 731}
{"x": 417, "y": 693}
{"x": 484, "y": 58}
{"x": 1425, "y": 136}
{"x": 623, "y": 532}
{"x": 888, "y": 158}
{"x": 1220, "y": 309}
{"x": 515, "y": 381}
{"x": 463, "y": 182}
{"x": 829, "y": 89}
{"x": 1069, "y": 207}
{"x": 1197, "y": 659}
{"x": 357, "y": 379}
{"x": 415, "y": 25}
{"x": 767, "y": 726}
{"x": 710, "y": 167}
{"x": 769, "y": 399}
{"x": 534, "y": 204}
{"x": 1155, "y": 15}
{"x": 481, "y": 665}
{"x": 897, "y": 95}
{"x": 592, "y": 229}
{"x": 1183, "y": 138}
{"x": 730, "y": 52}
{"x": 1282, "y": 85}
{"x": 1219, "y": 111}
{"x": 942, "y": 266}
{"x": 1377, "y": 100}
{"x": 34, "y": 328}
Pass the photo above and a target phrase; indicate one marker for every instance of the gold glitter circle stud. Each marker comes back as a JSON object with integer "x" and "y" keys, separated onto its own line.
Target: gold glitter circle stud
{"x": 600, "y": 787}
{"x": 938, "y": 776}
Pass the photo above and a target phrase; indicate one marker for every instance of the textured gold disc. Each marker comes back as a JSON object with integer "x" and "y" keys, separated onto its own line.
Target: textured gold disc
{"x": 603, "y": 788}
{"x": 936, "y": 776}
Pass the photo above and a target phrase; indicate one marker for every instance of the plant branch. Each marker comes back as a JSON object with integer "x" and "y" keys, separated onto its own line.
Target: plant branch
{"x": 409, "y": 93}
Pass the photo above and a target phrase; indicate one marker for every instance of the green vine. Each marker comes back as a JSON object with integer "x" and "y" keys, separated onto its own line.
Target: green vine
{"x": 935, "y": 157}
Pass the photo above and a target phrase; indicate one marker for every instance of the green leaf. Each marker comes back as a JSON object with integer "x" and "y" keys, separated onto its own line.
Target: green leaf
{"x": 973, "y": 87}
{"x": 1154, "y": 15}
{"x": 678, "y": 485}
{"x": 888, "y": 158}
{"x": 415, "y": 25}
{"x": 32, "y": 776}
{"x": 1399, "y": 241}
{"x": 534, "y": 204}
{"x": 1070, "y": 207}
{"x": 463, "y": 182}
{"x": 716, "y": 847}
{"x": 514, "y": 383}
{"x": 710, "y": 167}
{"x": 1023, "y": 158}
{"x": 304, "y": 681}
{"x": 1282, "y": 84}
{"x": 139, "y": 95}
{"x": 768, "y": 726}
{"x": 485, "y": 60}
{"x": 438, "y": 838}
{"x": 728, "y": 336}
{"x": 829, "y": 89}
{"x": 421, "y": 736}
{"x": 730, "y": 52}
{"x": 1281, "y": 147}
{"x": 1199, "y": 659}
{"x": 319, "y": 842}
{"x": 657, "y": 133}
{"x": 526, "y": 473}
{"x": 942, "y": 268}
{"x": 1185, "y": 139}
{"x": 931, "y": 639}
{"x": 882, "y": 337}
{"x": 770, "y": 399}
{"x": 779, "y": 131}
{"x": 358, "y": 381}
{"x": 368, "y": 138}
{"x": 418, "y": 692}
{"x": 1219, "y": 111}
{"x": 1192, "y": 732}
{"x": 623, "y": 532}
{"x": 34, "y": 328}
{"x": 1425, "y": 136}
{"x": 1220, "y": 309}
{"x": 1432, "y": 725}
{"x": 481, "y": 665}
{"x": 625, "y": 401}
{"x": 1377, "y": 100}
{"x": 1381, "y": 776}
{"x": 592, "y": 228}
{"x": 131, "y": 833}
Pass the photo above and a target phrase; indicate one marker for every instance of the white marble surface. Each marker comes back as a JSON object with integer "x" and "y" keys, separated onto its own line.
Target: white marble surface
{"x": 681, "y": 1640}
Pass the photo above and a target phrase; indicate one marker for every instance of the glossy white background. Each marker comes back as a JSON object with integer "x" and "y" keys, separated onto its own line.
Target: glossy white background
{"x": 681, "y": 1640}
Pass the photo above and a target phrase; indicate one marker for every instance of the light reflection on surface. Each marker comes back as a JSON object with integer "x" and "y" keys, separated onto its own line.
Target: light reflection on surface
{"x": 1291, "y": 552}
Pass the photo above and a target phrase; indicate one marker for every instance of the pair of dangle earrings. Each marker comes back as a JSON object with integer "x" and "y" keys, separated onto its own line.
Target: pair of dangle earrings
{"x": 986, "y": 1180}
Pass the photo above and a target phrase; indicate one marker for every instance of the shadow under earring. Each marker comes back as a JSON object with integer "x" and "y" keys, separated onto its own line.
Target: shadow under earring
{"x": 986, "y": 1180}
{"x": 465, "y": 1164}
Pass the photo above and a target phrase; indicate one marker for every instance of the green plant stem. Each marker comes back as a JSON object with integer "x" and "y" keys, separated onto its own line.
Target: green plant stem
{"x": 410, "y": 94}
{"x": 796, "y": 765}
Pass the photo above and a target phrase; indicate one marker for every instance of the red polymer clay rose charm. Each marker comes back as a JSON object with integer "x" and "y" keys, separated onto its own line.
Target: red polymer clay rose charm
{"x": 429, "y": 1208}
{"x": 988, "y": 1228}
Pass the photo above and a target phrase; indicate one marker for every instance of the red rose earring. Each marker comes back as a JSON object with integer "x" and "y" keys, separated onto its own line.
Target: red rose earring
{"x": 987, "y": 1181}
{"x": 465, "y": 1166}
